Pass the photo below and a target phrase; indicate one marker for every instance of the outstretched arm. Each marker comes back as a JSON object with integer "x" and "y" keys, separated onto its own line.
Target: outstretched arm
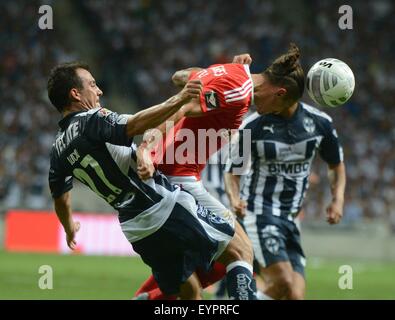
{"x": 337, "y": 180}
{"x": 180, "y": 77}
{"x": 63, "y": 211}
{"x": 154, "y": 116}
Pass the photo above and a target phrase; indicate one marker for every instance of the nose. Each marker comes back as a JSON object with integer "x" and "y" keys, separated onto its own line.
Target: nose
{"x": 99, "y": 92}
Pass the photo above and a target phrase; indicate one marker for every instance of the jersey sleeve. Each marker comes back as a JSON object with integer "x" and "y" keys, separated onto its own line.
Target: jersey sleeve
{"x": 239, "y": 159}
{"x": 330, "y": 149}
{"x": 58, "y": 182}
{"x": 225, "y": 86}
{"x": 104, "y": 125}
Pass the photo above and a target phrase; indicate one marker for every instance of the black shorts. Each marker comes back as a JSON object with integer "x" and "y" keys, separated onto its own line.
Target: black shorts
{"x": 275, "y": 239}
{"x": 183, "y": 244}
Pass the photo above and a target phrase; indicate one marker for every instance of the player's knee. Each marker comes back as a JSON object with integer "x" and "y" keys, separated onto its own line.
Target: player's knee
{"x": 238, "y": 249}
{"x": 296, "y": 294}
{"x": 284, "y": 283}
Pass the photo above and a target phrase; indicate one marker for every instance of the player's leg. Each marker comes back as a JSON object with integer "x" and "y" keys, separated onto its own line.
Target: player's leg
{"x": 298, "y": 262}
{"x": 148, "y": 285}
{"x": 151, "y": 291}
{"x": 279, "y": 280}
{"x": 237, "y": 256}
{"x": 189, "y": 291}
{"x": 298, "y": 287}
{"x": 173, "y": 255}
{"x": 269, "y": 236}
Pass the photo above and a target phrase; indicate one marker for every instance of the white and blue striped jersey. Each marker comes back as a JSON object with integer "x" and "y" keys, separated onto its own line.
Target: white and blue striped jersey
{"x": 276, "y": 155}
{"x": 93, "y": 147}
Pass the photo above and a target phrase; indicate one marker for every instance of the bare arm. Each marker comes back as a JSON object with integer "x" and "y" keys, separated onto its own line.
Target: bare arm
{"x": 154, "y": 116}
{"x": 63, "y": 211}
{"x": 337, "y": 180}
{"x": 232, "y": 189}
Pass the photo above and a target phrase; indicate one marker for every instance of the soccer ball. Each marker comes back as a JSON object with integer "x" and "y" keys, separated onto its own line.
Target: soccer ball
{"x": 330, "y": 82}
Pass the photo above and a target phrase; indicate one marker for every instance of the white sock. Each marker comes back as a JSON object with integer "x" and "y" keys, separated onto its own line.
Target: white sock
{"x": 262, "y": 296}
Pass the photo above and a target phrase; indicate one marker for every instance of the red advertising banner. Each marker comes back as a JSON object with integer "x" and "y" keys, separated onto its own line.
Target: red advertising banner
{"x": 40, "y": 231}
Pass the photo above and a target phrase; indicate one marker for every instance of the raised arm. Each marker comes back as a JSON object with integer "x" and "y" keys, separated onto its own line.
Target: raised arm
{"x": 63, "y": 211}
{"x": 243, "y": 58}
{"x": 154, "y": 116}
{"x": 337, "y": 180}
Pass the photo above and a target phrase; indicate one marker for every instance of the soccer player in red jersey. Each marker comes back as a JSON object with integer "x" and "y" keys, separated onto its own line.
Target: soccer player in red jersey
{"x": 228, "y": 91}
{"x": 227, "y": 95}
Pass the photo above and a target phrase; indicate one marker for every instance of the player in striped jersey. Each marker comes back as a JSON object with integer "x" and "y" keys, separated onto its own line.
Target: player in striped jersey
{"x": 93, "y": 146}
{"x": 277, "y": 164}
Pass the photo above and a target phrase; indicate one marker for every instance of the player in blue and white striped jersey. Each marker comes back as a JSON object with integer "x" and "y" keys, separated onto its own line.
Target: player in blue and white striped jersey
{"x": 276, "y": 152}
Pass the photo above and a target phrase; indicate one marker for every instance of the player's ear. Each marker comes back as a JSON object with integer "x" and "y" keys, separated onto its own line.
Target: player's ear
{"x": 74, "y": 94}
{"x": 281, "y": 92}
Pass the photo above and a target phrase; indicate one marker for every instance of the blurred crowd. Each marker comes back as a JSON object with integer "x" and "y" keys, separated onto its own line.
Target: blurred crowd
{"x": 144, "y": 42}
{"x": 27, "y": 122}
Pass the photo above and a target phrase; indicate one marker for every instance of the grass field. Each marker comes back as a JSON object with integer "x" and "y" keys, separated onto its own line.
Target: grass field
{"x": 92, "y": 277}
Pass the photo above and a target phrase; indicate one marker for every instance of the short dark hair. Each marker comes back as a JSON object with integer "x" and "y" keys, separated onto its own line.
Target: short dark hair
{"x": 61, "y": 80}
{"x": 287, "y": 72}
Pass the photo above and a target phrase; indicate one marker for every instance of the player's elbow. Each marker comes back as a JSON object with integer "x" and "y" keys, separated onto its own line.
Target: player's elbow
{"x": 178, "y": 78}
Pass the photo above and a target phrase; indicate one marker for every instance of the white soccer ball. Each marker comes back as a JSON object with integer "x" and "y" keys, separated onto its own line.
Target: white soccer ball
{"x": 330, "y": 82}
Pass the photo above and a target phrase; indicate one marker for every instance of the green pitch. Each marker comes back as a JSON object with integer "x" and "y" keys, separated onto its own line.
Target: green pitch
{"x": 83, "y": 277}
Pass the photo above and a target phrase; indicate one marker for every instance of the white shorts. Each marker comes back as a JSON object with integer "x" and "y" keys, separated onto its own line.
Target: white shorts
{"x": 199, "y": 192}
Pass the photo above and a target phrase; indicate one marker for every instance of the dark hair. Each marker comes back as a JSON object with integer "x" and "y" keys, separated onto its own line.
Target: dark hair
{"x": 61, "y": 80}
{"x": 287, "y": 72}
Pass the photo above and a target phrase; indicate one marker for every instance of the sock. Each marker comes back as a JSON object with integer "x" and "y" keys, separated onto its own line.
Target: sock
{"x": 147, "y": 286}
{"x": 262, "y": 296}
{"x": 240, "y": 282}
{"x": 156, "y": 294}
{"x": 217, "y": 272}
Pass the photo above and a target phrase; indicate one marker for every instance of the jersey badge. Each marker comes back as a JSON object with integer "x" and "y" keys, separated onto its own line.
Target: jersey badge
{"x": 309, "y": 125}
{"x": 211, "y": 100}
{"x": 104, "y": 112}
{"x": 272, "y": 245}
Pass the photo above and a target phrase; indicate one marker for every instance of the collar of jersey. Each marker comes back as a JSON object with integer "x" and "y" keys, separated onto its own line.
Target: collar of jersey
{"x": 64, "y": 121}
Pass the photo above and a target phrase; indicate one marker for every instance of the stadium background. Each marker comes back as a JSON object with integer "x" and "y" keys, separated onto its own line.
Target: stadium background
{"x": 133, "y": 48}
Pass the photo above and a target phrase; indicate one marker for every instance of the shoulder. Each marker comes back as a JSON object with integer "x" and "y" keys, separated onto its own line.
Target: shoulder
{"x": 91, "y": 112}
{"x": 316, "y": 114}
{"x": 251, "y": 121}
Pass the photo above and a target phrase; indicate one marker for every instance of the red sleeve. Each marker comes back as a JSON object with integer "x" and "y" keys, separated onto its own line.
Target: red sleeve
{"x": 224, "y": 86}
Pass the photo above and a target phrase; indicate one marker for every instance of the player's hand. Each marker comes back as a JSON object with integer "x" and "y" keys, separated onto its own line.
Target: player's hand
{"x": 334, "y": 212}
{"x": 70, "y": 235}
{"x": 145, "y": 166}
{"x": 192, "y": 90}
{"x": 145, "y": 170}
{"x": 239, "y": 207}
{"x": 244, "y": 58}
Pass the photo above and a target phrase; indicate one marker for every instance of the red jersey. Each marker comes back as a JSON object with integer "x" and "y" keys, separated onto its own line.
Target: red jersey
{"x": 227, "y": 94}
